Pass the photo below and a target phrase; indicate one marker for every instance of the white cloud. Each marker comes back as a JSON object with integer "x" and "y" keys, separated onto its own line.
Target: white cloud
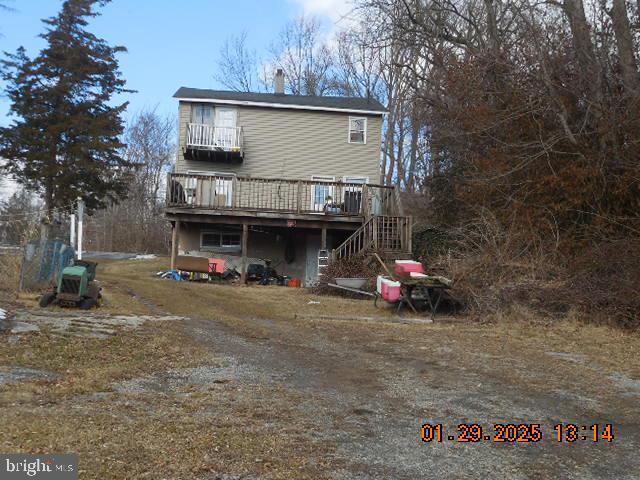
{"x": 334, "y": 10}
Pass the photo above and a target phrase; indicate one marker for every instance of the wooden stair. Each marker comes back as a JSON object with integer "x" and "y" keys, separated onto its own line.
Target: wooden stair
{"x": 389, "y": 236}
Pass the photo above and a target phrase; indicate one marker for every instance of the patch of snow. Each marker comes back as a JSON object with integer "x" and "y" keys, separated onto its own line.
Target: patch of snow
{"x": 630, "y": 385}
{"x": 3, "y": 314}
{"x": 23, "y": 327}
{"x": 16, "y": 374}
{"x": 94, "y": 325}
{"x": 570, "y": 357}
{"x": 147, "y": 256}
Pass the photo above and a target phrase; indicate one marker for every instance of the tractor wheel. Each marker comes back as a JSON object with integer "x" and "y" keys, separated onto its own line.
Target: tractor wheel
{"x": 87, "y": 303}
{"x": 47, "y": 299}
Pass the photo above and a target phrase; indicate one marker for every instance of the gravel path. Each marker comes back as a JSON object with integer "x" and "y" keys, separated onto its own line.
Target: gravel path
{"x": 370, "y": 401}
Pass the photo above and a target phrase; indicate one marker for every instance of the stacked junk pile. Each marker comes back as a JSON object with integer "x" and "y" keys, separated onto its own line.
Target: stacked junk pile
{"x": 193, "y": 268}
{"x": 404, "y": 286}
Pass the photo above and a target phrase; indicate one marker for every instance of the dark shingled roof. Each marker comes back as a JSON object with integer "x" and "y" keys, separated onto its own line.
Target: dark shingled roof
{"x": 300, "y": 101}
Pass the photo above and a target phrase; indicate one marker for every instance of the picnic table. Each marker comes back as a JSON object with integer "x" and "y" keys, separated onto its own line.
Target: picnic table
{"x": 431, "y": 287}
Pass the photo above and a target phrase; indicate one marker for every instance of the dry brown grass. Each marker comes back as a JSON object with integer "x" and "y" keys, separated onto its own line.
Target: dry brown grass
{"x": 86, "y": 365}
{"x": 227, "y": 302}
{"x": 515, "y": 328}
{"x": 189, "y": 432}
{"x": 257, "y": 430}
{"x": 181, "y": 436}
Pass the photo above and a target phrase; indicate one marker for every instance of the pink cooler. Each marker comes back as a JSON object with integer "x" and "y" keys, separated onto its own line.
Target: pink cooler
{"x": 379, "y": 283}
{"x": 390, "y": 290}
{"x": 408, "y": 266}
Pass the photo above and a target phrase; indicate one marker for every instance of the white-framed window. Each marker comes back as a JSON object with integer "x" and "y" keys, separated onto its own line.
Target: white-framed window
{"x": 358, "y": 130}
{"x": 322, "y": 192}
{"x": 220, "y": 240}
{"x": 202, "y": 113}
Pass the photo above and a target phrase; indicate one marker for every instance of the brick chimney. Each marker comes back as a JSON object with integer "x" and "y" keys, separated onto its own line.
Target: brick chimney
{"x": 278, "y": 82}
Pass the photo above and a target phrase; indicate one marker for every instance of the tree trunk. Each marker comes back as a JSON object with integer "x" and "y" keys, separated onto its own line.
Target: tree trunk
{"x": 45, "y": 222}
{"x": 624, "y": 41}
{"x": 415, "y": 132}
{"x": 434, "y": 149}
{"x": 492, "y": 29}
{"x": 591, "y": 72}
{"x": 390, "y": 148}
{"x": 399, "y": 155}
{"x": 387, "y": 160}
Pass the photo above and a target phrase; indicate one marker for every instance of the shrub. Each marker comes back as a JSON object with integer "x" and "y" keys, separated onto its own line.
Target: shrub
{"x": 605, "y": 280}
{"x": 498, "y": 268}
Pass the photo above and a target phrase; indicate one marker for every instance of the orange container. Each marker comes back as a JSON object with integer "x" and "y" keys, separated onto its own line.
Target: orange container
{"x": 294, "y": 282}
{"x": 216, "y": 265}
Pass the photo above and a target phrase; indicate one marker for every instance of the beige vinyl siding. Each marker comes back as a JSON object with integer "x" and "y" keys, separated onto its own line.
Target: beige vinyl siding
{"x": 184, "y": 117}
{"x": 295, "y": 144}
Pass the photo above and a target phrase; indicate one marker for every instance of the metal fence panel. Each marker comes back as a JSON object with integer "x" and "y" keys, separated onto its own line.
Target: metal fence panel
{"x": 43, "y": 262}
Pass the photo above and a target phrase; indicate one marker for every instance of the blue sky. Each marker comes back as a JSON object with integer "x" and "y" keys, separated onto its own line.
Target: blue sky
{"x": 171, "y": 42}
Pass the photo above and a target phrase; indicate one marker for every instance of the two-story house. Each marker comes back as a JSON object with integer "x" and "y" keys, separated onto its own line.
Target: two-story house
{"x": 283, "y": 177}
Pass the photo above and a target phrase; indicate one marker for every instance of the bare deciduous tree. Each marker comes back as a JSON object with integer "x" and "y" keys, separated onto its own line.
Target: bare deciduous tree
{"x": 237, "y": 67}
{"x": 305, "y": 58}
{"x": 137, "y": 224}
{"x": 626, "y": 49}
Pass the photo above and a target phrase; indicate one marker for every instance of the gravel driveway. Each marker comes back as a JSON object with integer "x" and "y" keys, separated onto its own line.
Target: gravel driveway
{"x": 370, "y": 399}
{"x": 247, "y": 387}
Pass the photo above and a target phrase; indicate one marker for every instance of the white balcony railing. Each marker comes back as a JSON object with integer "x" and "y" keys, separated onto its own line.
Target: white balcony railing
{"x": 210, "y": 137}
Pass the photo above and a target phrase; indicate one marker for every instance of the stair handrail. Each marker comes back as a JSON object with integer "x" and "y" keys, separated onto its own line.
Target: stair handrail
{"x": 350, "y": 245}
{"x": 373, "y": 235}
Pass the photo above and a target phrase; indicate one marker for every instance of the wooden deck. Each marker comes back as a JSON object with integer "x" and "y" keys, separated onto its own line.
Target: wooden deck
{"x": 287, "y": 199}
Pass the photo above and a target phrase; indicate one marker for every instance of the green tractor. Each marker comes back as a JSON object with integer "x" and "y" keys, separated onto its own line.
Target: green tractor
{"x": 76, "y": 287}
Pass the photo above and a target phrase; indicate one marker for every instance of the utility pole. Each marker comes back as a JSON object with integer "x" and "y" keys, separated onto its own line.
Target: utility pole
{"x": 80, "y": 219}
{"x": 72, "y": 230}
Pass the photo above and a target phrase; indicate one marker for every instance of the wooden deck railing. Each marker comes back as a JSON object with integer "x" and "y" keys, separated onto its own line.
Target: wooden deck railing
{"x": 381, "y": 233}
{"x": 215, "y": 192}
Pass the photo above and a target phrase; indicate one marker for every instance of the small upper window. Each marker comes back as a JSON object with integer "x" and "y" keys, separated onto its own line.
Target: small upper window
{"x": 357, "y": 130}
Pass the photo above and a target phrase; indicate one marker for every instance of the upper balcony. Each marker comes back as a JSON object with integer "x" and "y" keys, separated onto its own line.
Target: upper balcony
{"x": 214, "y": 143}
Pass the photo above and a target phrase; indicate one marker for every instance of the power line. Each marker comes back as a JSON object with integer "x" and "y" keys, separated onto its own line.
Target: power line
{"x": 65, "y": 209}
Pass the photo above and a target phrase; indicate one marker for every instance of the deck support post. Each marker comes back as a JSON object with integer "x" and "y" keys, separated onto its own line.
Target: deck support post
{"x": 175, "y": 239}
{"x": 323, "y": 242}
{"x": 245, "y": 238}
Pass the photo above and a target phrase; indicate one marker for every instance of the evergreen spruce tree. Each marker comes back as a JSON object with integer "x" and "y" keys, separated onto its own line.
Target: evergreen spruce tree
{"x": 64, "y": 141}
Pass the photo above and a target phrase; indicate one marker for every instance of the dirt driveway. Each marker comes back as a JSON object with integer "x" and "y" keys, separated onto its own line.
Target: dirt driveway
{"x": 249, "y": 391}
